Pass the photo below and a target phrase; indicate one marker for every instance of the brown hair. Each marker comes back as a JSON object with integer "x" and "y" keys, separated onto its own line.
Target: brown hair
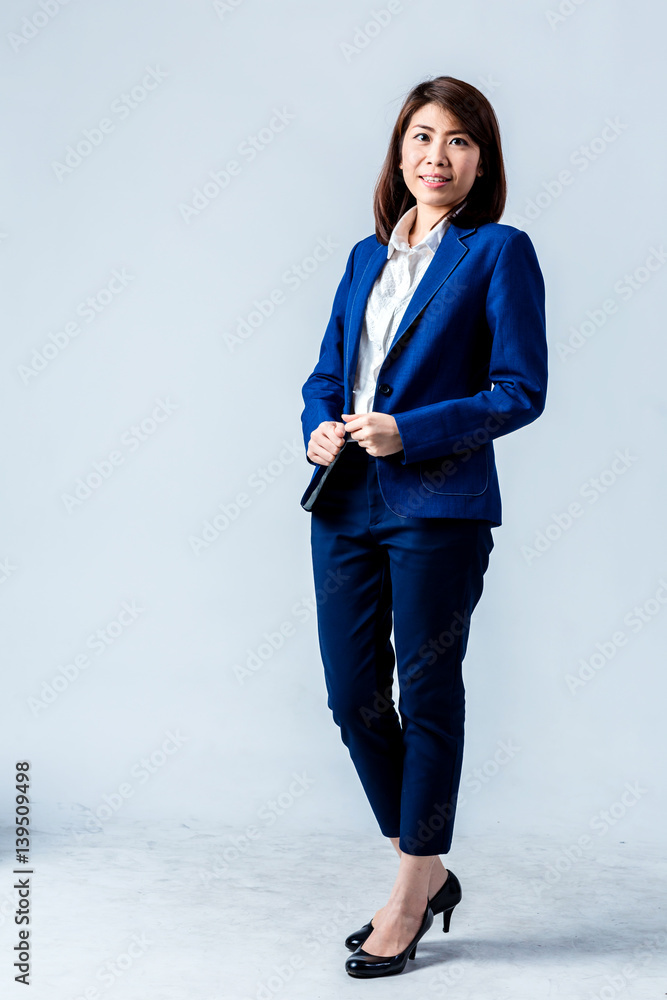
{"x": 485, "y": 201}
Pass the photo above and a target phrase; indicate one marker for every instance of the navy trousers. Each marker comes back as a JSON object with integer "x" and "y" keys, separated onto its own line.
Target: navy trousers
{"x": 372, "y": 569}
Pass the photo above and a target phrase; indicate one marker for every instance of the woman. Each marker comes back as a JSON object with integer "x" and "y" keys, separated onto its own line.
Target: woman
{"x": 436, "y": 345}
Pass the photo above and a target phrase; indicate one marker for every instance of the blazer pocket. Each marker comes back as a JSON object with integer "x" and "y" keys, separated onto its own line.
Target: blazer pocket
{"x": 463, "y": 474}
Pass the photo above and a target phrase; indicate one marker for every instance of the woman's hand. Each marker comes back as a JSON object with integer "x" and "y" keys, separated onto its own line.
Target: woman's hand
{"x": 325, "y": 442}
{"x": 376, "y": 432}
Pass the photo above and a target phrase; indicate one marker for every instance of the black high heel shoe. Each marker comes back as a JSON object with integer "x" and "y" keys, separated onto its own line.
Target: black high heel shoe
{"x": 444, "y": 901}
{"x": 363, "y": 965}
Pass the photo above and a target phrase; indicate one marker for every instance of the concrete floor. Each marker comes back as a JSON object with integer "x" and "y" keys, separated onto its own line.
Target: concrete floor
{"x": 170, "y": 912}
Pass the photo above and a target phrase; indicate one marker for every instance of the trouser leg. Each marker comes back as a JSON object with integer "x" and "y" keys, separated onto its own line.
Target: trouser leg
{"x": 430, "y": 571}
{"x": 354, "y": 620}
{"x": 437, "y": 569}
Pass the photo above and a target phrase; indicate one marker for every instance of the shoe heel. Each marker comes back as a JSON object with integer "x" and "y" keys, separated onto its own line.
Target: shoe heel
{"x": 446, "y": 917}
{"x": 413, "y": 952}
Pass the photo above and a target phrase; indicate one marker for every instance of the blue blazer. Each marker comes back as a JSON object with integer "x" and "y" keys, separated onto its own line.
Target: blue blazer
{"x": 468, "y": 364}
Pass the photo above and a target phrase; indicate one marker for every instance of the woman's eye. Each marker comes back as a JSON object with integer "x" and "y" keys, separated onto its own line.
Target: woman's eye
{"x": 424, "y": 135}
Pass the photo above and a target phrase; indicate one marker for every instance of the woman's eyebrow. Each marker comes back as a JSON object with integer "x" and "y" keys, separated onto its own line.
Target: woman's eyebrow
{"x": 451, "y": 131}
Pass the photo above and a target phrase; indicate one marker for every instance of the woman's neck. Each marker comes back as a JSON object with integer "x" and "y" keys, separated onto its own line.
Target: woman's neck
{"x": 424, "y": 222}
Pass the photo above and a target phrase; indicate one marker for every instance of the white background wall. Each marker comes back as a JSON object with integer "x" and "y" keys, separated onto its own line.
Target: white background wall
{"x": 219, "y": 73}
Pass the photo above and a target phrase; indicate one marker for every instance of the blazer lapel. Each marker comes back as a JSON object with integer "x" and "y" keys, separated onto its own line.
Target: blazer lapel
{"x": 449, "y": 254}
{"x": 447, "y": 257}
{"x": 371, "y": 272}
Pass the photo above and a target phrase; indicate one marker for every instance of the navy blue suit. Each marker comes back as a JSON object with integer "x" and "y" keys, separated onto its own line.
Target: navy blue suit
{"x": 476, "y": 318}
{"x": 407, "y": 536}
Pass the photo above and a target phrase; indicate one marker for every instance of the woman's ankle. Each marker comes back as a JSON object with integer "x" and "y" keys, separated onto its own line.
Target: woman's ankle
{"x": 439, "y": 876}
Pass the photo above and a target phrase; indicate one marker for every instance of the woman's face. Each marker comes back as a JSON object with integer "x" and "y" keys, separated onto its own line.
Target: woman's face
{"x": 439, "y": 160}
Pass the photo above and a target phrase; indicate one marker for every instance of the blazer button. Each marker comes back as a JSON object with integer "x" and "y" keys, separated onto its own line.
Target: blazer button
{"x": 385, "y": 389}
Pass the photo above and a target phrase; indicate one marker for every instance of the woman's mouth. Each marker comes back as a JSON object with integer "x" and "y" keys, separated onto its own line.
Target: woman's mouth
{"x": 434, "y": 180}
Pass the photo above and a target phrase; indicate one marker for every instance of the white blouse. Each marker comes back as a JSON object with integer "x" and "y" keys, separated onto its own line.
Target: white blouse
{"x": 388, "y": 300}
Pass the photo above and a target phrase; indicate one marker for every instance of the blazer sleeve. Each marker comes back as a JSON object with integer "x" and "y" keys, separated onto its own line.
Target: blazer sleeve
{"x": 515, "y": 313}
{"x": 324, "y": 391}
